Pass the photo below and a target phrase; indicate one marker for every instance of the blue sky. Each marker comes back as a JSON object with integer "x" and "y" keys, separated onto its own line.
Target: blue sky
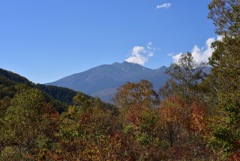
{"x": 45, "y": 40}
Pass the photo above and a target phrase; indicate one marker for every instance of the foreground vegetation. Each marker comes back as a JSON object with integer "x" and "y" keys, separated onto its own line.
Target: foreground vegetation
{"x": 193, "y": 117}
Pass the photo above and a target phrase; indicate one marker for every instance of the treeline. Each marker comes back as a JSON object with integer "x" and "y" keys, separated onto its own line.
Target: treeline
{"x": 193, "y": 117}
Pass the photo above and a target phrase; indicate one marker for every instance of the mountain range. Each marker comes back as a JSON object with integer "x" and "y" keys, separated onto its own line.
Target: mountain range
{"x": 102, "y": 81}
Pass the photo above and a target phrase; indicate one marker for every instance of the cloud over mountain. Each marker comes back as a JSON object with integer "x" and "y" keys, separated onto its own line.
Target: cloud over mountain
{"x": 140, "y": 54}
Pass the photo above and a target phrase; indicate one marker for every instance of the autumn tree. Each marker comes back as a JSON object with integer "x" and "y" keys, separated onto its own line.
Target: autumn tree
{"x": 182, "y": 113}
{"x": 88, "y": 132}
{"x": 136, "y": 94}
{"x": 29, "y": 125}
{"x": 137, "y": 104}
{"x": 182, "y": 128}
{"x": 170, "y": 111}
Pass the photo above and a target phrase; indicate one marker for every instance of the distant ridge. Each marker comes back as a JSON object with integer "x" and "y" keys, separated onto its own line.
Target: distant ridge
{"x": 102, "y": 81}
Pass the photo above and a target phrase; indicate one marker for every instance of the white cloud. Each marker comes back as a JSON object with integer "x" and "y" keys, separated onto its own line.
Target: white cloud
{"x": 140, "y": 54}
{"x": 164, "y": 5}
{"x": 176, "y": 57}
{"x": 200, "y": 55}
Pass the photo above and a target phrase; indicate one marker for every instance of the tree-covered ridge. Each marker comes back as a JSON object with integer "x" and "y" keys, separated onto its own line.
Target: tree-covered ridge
{"x": 11, "y": 83}
{"x": 13, "y": 77}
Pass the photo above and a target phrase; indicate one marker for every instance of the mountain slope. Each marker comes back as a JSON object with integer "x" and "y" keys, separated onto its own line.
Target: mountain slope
{"x": 103, "y": 80}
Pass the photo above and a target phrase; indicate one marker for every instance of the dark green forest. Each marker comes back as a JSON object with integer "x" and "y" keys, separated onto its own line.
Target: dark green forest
{"x": 195, "y": 116}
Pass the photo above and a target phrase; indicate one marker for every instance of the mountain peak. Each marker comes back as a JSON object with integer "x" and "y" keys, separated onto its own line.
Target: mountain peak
{"x": 125, "y": 63}
{"x": 102, "y": 81}
{"x": 129, "y": 63}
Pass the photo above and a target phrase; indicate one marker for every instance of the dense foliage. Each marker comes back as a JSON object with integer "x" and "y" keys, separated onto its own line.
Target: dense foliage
{"x": 197, "y": 117}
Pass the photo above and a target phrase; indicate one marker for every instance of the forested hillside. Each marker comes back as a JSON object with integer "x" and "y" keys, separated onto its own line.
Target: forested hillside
{"x": 197, "y": 117}
{"x": 11, "y": 83}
